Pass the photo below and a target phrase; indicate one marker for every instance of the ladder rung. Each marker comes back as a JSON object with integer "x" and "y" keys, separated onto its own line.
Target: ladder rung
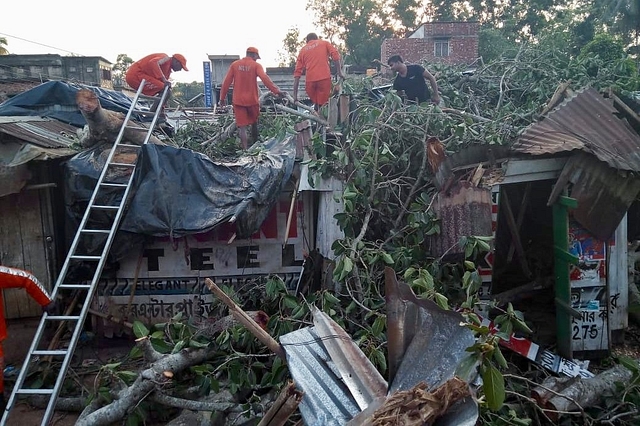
{"x": 49, "y": 353}
{"x": 35, "y": 391}
{"x": 79, "y": 257}
{"x": 74, "y": 286}
{"x": 122, "y": 164}
{"x": 126, "y": 145}
{"x": 95, "y": 231}
{"x": 114, "y": 185}
{"x": 100, "y": 207}
{"x": 63, "y": 317}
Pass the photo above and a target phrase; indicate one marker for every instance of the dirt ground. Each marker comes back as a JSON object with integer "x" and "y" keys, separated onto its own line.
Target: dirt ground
{"x": 103, "y": 350}
{"x": 16, "y": 346}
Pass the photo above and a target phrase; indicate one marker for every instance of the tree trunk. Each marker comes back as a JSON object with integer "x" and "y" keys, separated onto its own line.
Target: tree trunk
{"x": 104, "y": 125}
{"x": 585, "y": 393}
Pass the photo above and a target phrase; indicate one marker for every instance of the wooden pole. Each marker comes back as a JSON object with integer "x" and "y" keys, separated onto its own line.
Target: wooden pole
{"x": 246, "y": 320}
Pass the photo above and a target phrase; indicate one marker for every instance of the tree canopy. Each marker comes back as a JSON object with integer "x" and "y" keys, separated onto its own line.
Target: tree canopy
{"x": 3, "y": 46}
{"x": 360, "y": 26}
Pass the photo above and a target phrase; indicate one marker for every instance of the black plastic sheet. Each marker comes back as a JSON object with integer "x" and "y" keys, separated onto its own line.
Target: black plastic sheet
{"x": 179, "y": 192}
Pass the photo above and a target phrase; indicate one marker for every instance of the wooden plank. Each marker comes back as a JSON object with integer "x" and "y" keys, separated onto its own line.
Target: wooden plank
{"x": 11, "y": 249}
{"x": 618, "y": 279}
{"x": 22, "y": 246}
{"x": 515, "y": 234}
{"x": 33, "y": 248}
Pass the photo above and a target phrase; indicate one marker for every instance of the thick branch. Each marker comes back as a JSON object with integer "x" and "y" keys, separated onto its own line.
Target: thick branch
{"x": 172, "y": 401}
{"x": 143, "y": 386}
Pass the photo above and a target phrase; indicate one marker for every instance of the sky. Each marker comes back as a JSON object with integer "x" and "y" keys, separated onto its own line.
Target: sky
{"x": 140, "y": 27}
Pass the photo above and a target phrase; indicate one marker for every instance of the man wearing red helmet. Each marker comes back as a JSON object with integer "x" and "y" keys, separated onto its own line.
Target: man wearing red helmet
{"x": 155, "y": 69}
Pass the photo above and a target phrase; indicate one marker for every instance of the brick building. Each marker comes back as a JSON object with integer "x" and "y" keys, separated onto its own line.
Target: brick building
{"x": 447, "y": 42}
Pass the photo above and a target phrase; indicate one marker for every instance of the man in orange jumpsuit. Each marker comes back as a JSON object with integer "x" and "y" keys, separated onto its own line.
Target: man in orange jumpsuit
{"x": 246, "y": 104}
{"x": 155, "y": 70}
{"x": 314, "y": 59}
{"x": 17, "y": 278}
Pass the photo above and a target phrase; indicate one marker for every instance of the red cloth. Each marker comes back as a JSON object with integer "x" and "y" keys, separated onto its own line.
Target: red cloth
{"x": 152, "y": 68}
{"x": 242, "y": 74}
{"x": 314, "y": 58}
{"x": 17, "y": 278}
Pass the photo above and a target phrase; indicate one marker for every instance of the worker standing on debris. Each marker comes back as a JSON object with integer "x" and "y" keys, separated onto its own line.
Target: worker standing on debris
{"x": 17, "y": 278}
{"x": 246, "y": 104}
{"x": 410, "y": 79}
{"x": 314, "y": 60}
{"x": 155, "y": 70}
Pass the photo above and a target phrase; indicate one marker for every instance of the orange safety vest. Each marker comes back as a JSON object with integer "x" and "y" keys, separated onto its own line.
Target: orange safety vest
{"x": 17, "y": 278}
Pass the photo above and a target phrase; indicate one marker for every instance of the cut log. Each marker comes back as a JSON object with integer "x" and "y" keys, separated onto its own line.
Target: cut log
{"x": 104, "y": 125}
{"x": 584, "y": 393}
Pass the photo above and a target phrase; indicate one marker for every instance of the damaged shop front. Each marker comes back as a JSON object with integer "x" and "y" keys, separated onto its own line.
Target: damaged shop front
{"x": 236, "y": 222}
{"x": 556, "y": 203}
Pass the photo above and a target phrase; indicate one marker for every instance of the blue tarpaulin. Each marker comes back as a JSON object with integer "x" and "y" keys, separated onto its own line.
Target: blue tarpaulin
{"x": 57, "y": 99}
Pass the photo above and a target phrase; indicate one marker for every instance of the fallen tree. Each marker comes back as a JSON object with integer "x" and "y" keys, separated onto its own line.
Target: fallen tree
{"x": 104, "y": 125}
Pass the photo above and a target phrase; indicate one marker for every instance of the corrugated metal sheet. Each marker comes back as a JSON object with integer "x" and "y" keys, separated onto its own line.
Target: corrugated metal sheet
{"x": 326, "y": 398}
{"x": 42, "y": 132}
{"x": 468, "y": 158}
{"x": 465, "y": 210}
{"x": 603, "y": 194}
{"x": 584, "y": 122}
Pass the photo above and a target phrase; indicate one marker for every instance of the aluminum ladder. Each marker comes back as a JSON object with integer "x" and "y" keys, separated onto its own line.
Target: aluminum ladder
{"x": 84, "y": 290}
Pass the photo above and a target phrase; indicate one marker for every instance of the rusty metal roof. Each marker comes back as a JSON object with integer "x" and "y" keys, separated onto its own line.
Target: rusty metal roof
{"x": 587, "y": 122}
{"x": 39, "y": 131}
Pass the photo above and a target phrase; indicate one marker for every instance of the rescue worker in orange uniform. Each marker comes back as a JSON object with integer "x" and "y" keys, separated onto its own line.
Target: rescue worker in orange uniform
{"x": 314, "y": 59}
{"x": 17, "y": 278}
{"x": 246, "y": 104}
{"x": 155, "y": 70}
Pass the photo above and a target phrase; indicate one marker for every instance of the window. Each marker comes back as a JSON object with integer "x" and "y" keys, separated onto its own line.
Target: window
{"x": 441, "y": 48}
{"x": 72, "y": 69}
{"x": 89, "y": 69}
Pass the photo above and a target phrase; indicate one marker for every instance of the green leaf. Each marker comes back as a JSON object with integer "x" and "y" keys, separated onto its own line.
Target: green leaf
{"x": 346, "y": 268}
{"x": 127, "y": 376}
{"x": 499, "y": 357}
{"x": 178, "y": 347}
{"x": 330, "y": 298}
{"x": 112, "y": 366}
{"x": 161, "y": 346}
{"x": 386, "y": 258}
{"x": 442, "y": 301}
{"x": 378, "y": 326}
{"x": 157, "y": 334}
{"x": 483, "y": 246}
{"x": 493, "y": 385}
{"x": 196, "y": 344}
{"x": 629, "y": 363}
{"x": 290, "y": 302}
{"x": 139, "y": 330}
{"x": 135, "y": 352}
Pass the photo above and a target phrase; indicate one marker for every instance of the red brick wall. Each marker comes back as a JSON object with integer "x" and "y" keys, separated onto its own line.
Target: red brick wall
{"x": 463, "y": 44}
